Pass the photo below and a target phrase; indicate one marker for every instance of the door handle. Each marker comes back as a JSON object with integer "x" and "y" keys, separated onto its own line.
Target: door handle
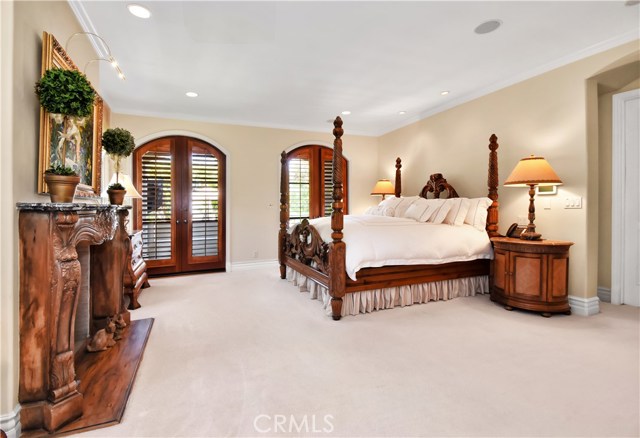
{"x": 185, "y": 221}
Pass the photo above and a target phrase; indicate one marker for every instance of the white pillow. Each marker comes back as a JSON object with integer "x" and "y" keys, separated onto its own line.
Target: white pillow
{"x": 388, "y": 205}
{"x": 416, "y": 209}
{"x": 422, "y": 209}
{"x": 404, "y": 204}
{"x": 459, "y": 209}
{"x": 379, "y": 210}
{"x": 434, "y": 206}
{"x": 477, "y": 214}
{"x": 441, "y": 210}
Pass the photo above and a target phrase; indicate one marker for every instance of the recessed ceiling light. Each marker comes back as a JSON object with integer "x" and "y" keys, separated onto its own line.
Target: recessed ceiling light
{"x": 191, "y": 94}
{"x": 444, "y": 93}
{"x": 139, "y": 11}
{"x": 346, "y": 113}
{"x": 487, "y": 27}
{"x": 402, "y": 113}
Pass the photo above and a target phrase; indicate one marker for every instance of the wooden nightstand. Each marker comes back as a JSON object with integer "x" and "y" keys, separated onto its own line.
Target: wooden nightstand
{"x": 531, "y": 275}
{"x": 135, "y": 275}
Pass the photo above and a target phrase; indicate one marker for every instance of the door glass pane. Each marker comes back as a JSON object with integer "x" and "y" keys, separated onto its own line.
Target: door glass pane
{"x": 299, "y": 189}
{"x": 156, "y": 205}
{"x": 204, "y": 203}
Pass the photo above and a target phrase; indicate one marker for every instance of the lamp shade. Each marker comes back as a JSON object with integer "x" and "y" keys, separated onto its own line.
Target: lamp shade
{"x": 533, "y": 171}
{"x": 125, "y": 180}
{"x": 383, "y": 187}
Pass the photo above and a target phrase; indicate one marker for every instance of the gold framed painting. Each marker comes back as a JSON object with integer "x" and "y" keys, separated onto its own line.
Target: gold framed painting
{"x": 86, "y": 155}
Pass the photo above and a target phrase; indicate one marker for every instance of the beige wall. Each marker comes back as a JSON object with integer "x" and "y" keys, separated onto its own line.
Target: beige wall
{"x": 8, "y": 290}
{"x": 253, "y": 173}
{"x": 21, "y": 33}
{"x": 545, "y": 115}
{"x": 605, "y": 113}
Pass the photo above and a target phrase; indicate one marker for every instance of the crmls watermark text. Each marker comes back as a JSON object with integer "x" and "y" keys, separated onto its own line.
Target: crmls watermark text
{"x": 265, "y": 423}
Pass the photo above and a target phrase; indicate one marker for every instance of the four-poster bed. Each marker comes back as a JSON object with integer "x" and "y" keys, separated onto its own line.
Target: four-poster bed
{"x": 321, "y": 264}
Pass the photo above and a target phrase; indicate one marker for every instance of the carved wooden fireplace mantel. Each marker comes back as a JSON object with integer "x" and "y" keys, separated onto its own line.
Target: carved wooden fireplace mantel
{"x": 50, "y": 279}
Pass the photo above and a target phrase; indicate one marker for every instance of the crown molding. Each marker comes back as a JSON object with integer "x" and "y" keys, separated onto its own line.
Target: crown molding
{"x": 521, "y": 77}
{"x": 223, "y": 121}
{"x": 87, "y": 25}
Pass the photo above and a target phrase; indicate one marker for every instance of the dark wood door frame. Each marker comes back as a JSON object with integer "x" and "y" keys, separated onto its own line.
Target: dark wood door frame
{"x": 182, "y": 260}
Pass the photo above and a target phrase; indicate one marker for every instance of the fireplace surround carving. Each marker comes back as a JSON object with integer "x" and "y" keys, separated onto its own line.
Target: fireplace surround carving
{"x": 50, "y": 278}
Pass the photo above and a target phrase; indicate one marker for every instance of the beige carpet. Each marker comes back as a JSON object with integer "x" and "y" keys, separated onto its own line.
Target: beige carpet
{"x": 246, "y": 354}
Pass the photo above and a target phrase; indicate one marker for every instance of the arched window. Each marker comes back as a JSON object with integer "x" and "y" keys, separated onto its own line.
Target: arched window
{"x": 310, "y": 182}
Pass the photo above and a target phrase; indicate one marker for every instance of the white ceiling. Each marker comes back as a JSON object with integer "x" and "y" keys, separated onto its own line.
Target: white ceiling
{"x": 297, "y": 64}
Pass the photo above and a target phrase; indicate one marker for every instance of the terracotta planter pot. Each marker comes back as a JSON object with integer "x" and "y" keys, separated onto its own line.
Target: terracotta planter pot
{"x": 62, "y": 188}
{"x": 116, "y": 197}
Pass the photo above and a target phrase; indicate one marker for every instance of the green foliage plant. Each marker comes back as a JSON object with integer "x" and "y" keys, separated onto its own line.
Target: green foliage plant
{"x": 116, "y": 186}
{"x": 61, "y": 170}
{"x": 118, "y": 143}
{"x": 66, "y": 92}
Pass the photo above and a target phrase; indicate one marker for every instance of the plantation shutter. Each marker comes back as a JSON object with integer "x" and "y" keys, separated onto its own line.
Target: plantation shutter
{"x": 327, "y": 168}
{"x": 205, "y": 197}
{"x": 299, "y": 188}
{"x": 311, "y": 182}
{"x": 157, "y": 205}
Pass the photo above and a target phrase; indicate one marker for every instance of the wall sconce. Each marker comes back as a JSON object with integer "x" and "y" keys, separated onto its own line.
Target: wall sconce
{"x": 532, "y": 171}
{"x": 105, "y": 52}
{"x": 383, "y": 187}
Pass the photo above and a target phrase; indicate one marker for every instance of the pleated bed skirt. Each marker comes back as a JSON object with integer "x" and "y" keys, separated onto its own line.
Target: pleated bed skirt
{"x": 388, "y": 298}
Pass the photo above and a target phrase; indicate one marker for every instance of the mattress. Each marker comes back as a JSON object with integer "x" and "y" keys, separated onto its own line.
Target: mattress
{"x": 374, "y": 241}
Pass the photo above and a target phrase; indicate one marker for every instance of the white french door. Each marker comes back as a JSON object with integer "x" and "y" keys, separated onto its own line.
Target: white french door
{"x": 625, "y": 242}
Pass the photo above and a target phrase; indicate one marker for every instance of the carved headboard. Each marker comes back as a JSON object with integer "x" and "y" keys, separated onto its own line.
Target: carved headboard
{"x": 437, "y": 185}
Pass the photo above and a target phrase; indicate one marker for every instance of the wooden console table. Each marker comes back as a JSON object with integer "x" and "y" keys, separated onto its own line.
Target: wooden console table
{"x": 50, "y": 394}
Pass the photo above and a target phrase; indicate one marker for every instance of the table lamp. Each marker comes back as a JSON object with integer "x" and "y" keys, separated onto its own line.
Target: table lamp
{"x": 532, "y": 171}
{"x": 383, "y": 187}
{"x": 125, "y": 180}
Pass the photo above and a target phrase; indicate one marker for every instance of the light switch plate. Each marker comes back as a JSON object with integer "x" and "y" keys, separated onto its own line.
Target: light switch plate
{"x": 574, "y": 202}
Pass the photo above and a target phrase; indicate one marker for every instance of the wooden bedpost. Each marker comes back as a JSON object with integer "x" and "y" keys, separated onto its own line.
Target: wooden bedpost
{"x": 492, "y": 216}
{"x": 337, "y": 248}
{"x": 284, "y": 213}
{"x": 398, "y": 177}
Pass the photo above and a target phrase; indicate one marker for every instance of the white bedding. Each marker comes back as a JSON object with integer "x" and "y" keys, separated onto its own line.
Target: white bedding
{"x": 374, "y": 241}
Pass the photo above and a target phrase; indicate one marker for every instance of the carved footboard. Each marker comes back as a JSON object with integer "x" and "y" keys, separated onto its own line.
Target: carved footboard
{"x": 305, "y": 245}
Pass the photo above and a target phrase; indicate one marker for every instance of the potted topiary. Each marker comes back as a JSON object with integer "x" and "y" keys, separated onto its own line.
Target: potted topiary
{"x": 62, "y": 182}
{"x": 68, "y": 97}
{"x": 119, "y": 144}
{"x": 116, "y": 193}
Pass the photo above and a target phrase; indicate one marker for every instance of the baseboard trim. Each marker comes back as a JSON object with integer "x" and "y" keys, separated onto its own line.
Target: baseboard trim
{"x": 248, "y": 266}
{"x": 584, "y": 306}
{"x": 10, "y": 423}
{"x": 604, "y": 293}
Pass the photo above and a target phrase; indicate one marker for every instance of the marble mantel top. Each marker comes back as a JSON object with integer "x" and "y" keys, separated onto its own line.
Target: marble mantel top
{"x": 64, "y": 206}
